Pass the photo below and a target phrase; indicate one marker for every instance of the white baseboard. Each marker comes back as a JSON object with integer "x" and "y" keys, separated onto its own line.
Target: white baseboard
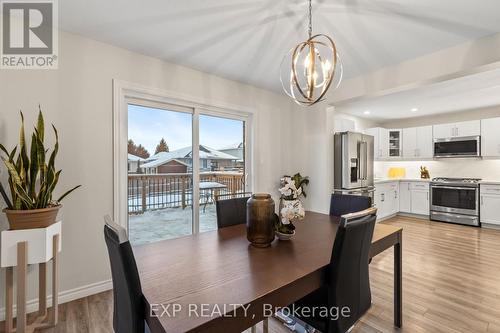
{"x": 66, "y": 296}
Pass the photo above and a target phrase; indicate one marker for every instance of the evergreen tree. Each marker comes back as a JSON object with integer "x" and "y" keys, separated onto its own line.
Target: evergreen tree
{"x": 162, "y": 147}
{"x": 139, "y": 150}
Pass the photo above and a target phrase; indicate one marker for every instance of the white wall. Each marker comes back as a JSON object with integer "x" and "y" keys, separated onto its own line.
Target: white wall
{"x": 77, "y": 98}
{"x": 313, "y": 144}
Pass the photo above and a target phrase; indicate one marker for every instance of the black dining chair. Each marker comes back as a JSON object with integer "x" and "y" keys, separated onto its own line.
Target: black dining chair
{"x": 231, "y": 209}
{"x": 129, "y": 306}
{"x": 341, "y": 204}
{"x": 347, "y": 281}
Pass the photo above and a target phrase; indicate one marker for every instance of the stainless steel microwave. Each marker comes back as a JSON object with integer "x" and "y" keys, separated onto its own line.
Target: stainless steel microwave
{"x": 465, "y": 146}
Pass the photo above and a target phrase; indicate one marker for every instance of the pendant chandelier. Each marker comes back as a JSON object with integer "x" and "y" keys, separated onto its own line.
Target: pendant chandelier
{"x": 309, "y": 69}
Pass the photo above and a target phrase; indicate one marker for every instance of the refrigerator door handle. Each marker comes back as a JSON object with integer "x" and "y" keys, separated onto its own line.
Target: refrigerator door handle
{"x": 362, "y": 152}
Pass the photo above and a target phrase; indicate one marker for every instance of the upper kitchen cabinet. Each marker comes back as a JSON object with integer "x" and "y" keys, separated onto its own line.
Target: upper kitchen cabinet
{"x": 395, "y": 142}
{"x": 417, "y": 142}
{"x": 380, "y": 142}
{"x": 490, "y": 137}
{"x": 465, "y": 128}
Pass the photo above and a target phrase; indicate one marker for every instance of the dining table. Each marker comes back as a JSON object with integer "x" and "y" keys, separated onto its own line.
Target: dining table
{"x": 216, "y": 281}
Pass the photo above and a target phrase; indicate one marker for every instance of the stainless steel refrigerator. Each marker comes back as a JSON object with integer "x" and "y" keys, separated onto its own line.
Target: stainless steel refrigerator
{"x": 353, "y": 163}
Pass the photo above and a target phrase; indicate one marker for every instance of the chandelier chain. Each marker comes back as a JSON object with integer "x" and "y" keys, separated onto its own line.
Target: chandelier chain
{"x": 310, "y": 19}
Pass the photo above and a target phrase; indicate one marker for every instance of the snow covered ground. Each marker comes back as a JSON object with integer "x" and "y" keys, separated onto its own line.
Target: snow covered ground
{"x": 168, "y": 223}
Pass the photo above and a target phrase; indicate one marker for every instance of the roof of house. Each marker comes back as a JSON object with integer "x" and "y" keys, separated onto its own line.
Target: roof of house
{"x": 205, "y": 153}
{"x": 132, "y": 157}
{"x": 237, "y": 145}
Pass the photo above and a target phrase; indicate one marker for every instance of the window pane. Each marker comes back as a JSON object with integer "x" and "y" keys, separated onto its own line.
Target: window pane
{"x": 222, "y": 164}
{"x": 159, "y": 174}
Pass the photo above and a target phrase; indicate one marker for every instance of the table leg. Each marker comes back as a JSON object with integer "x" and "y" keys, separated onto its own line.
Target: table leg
{"x": 42, "y": 289}
{"x": 22, "y": 267}
{"x": 9, "y": 298}
{"x": 398, "y": 283}
{"x": 55, "y": 279}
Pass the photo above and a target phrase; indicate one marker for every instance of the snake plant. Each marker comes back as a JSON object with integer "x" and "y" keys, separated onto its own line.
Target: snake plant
{"x": 32, "y": 177}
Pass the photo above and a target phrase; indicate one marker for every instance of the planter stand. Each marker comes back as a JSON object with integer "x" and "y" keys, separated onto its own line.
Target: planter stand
{"x": 21, "y": 248}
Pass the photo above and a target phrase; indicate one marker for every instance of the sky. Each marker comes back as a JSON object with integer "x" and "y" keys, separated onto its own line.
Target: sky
{"x": 147, "y": 126}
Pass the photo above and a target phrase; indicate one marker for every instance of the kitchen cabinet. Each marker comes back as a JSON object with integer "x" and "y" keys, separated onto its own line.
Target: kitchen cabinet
{"x": 404, "y": 197}
{"x": 380, "y": 142}
{"x": 490, "y": 137}
{"x": 417, "y": 142}
{"x": 489, "y": 203}
{"x": 419, "y": 198}
{"x": 395, "y": 142}
{"x": 465, "y": 128}
{"x": 414, "y": 197}
{"x": 386, "y": 199}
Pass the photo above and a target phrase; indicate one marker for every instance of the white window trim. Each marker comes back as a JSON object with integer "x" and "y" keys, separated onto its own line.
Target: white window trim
{"x": 125, "y": 92}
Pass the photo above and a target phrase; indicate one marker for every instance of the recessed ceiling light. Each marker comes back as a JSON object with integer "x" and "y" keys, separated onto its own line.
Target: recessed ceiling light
{"x": 414, "y": 109}
{"x": 367, "y": 112}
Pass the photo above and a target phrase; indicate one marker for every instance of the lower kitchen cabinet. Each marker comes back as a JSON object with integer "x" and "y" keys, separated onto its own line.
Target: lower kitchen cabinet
{"x": 489, "y": 203}
{"x": 387, "y": 199}
{"x": 420, "y": 202}
{"x": 405, "y": 196}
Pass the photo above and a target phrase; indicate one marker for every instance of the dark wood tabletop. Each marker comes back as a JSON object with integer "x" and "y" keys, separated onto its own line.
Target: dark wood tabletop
{"x": 196, "y": 275}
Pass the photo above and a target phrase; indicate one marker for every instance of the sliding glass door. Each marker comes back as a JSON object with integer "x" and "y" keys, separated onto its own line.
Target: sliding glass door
{"x": 160, "y": 174}
{"x": 179, "y": 162}
{"x": 222, "y": 164}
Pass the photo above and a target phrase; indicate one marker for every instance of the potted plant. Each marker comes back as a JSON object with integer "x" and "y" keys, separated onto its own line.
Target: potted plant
{"x": 32, "y": 180}
{"x": 291, "y": 208}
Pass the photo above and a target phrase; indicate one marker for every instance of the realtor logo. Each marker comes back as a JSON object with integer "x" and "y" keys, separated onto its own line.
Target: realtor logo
{"x": 29, "y": 34}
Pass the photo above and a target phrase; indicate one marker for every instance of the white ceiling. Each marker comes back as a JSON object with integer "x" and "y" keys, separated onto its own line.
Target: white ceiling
{"x": 468, "y": 92}
{"x": 244, "y": 40}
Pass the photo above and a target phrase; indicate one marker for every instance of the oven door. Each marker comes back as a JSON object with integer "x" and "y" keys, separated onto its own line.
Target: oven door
{"x": 455, "y": 199}
{"x": 458, "y": 147}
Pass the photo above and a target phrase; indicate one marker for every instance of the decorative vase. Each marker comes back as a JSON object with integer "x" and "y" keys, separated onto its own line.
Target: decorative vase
{"x": 284, "y": 237}
{"x": 260, "y": 218}
{"x": 31, "y": 219}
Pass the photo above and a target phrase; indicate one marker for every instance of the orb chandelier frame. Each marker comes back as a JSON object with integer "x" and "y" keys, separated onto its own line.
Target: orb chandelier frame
{"x": 311, "y": 72}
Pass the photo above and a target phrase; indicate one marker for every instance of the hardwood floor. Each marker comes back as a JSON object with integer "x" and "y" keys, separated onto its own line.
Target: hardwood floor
{"x": 451, "y": 283}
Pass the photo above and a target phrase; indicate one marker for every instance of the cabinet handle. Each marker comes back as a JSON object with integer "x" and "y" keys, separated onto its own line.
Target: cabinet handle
{"x": 382, "y": 197}
{"x": 395, "y": 194}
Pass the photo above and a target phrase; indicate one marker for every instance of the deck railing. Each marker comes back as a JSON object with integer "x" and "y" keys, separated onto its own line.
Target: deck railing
{"x": 174, "y": 190}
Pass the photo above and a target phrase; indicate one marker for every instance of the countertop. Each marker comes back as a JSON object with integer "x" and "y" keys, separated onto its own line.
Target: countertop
{"x": 489, "y": 182}
{"x": 391, "y": 180}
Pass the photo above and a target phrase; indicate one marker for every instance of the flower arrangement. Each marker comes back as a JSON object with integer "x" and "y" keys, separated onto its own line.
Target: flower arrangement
{"x": 291, "y": 208}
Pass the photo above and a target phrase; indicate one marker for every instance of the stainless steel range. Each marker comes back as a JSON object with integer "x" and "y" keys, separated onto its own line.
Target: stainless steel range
{"x": 455, "y": 200}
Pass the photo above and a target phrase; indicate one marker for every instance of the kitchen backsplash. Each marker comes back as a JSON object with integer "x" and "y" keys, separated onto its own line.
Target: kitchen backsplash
{"x": 484, "y": 169}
